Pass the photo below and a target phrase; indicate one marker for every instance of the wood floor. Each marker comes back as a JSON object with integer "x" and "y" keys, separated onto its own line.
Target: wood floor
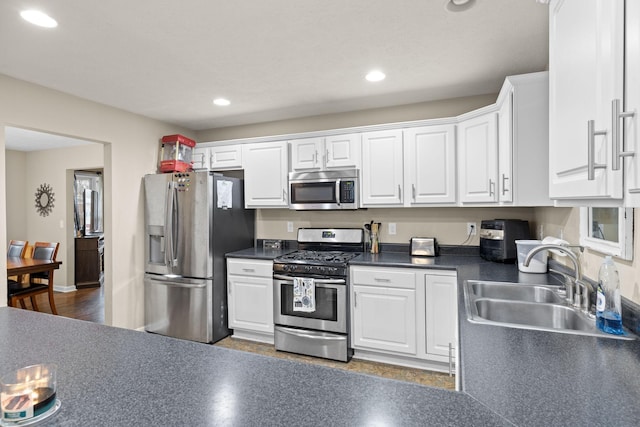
{"x": 83, "y": 304}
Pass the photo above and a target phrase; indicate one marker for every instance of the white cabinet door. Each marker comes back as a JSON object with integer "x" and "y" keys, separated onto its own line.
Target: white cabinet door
{"x": 478, "y": 158}
{"x": 586, "y": 39}
{"x": 631, "y": 135}
{"x": 200, "y": 158}
{"x": 226, "y": 157}
{"x": 505, "y": 141}
{"x": 307, "y": 154}
{"x": 342, "y": 151}
{"x": 523, "y": 140}
{"x": 250, "y": 295}
{"x": 441, "y": 305}
{"x": 384, "y": 319}
{"x": 265, "y": 174}
{"x": 382, "y": 168}
{"x": 430, "y": 165}
{"x": 250, "y": 303}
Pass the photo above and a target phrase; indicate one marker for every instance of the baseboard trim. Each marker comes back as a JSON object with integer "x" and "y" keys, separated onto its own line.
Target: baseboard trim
{"x": 64, "y": 288}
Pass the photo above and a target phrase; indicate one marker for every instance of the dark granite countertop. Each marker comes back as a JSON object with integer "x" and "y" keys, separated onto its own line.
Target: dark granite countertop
{"x": 258, "y": 253}
{"x": 529, "y": 378}
{"x": 534, "y": 378}
{"x": 109, "y": 376}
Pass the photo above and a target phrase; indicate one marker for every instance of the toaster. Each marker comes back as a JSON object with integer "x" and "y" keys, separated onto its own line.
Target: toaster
{"x": 424, "y": 246}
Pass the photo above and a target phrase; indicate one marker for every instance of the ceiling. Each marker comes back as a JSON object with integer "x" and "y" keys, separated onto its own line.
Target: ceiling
{"x": 276, "y": 59}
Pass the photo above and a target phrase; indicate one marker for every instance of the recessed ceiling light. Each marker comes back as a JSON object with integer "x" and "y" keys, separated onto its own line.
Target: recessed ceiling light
{"x": 459, "y": 5}
{"x": 222, "y": 102}
{"x": 375, "y": 76}
{"x": 38, "y": 18}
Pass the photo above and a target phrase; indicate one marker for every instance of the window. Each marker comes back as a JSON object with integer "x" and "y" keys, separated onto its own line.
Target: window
{"x": 607, "y": 230}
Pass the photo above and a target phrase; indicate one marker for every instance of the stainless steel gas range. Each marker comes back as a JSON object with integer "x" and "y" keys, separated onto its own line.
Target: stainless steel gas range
{"x": 311, "y": 295}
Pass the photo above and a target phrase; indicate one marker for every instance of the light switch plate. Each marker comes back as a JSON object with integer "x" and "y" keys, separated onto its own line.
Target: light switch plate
{"x": 289, "y": 227}
{"x": 392, "y": 228}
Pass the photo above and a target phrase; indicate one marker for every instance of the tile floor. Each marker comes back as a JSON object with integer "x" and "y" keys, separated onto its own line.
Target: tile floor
{"x": 428, "y": 378}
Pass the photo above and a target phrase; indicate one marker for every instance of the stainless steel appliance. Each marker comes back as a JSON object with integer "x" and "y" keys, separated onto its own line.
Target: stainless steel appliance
{"x": 424, "y": 246}
{"x": 498, "y": 238}
{"x": 323, "y": 256}
{"x": 191, "y": 220}
{"x": 324, "y": 190}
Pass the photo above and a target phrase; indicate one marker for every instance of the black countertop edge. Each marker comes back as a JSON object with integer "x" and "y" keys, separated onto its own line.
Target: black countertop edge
{"x": 460, "y": 250}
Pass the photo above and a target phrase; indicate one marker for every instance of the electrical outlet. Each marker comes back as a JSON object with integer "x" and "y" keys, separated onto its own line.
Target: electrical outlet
{"x": 289, "y": 226}
{"x": 472, "y": 228}
{"x": 392, "y": 228}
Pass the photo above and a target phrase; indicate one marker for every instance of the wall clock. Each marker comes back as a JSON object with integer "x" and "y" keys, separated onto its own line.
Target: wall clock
{"x": 44, "y": 199}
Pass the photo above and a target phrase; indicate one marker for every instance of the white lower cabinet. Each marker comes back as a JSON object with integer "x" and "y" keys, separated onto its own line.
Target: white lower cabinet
{"x": 384, "y": 318}
{"x": 441, "y": 319}
{"x": 406, "y": 316}
{"x": 250, "y": 298}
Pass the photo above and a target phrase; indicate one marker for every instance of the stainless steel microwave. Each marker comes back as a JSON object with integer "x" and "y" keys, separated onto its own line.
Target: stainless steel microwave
{"x": 324, "y": 190}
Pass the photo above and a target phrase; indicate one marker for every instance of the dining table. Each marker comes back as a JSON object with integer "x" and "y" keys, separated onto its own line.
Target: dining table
{"x": 17, "y": 266}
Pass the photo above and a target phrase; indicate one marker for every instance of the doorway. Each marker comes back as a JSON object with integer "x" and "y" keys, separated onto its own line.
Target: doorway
{"x": 35, "y": 159}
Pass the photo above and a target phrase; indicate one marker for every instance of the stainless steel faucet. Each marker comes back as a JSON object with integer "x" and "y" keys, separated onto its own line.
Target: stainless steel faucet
{"x": 579, "y": 296}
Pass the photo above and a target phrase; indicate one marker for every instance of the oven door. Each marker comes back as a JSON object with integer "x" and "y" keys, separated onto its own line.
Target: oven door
{"x": 331, "y": 305}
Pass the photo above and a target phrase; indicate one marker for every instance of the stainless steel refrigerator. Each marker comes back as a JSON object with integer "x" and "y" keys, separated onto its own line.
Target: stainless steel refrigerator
{"x": 192, "y": 219}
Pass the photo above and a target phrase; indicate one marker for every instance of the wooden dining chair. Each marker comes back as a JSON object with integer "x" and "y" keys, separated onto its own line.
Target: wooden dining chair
{"x": 39, "y": 283}
{"x": 18, "y": 249}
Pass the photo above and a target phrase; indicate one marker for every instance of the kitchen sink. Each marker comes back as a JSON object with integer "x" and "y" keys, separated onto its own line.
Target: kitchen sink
{"x": 515, "y": 291}
{"x": 535, "y": 307}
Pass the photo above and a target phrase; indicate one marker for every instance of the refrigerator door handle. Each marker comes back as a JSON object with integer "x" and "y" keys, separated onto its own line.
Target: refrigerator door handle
{"x": 170, "y": 227}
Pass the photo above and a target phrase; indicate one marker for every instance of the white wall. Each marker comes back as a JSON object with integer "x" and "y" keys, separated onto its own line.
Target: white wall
{"x": 131, "y": 147}
{"x": 447, "y": 225}
{"x": 17, "y": 195}
{"x": 401, "y": 113}
{"x": 565, "y": 222}
{"x": 53, "y": 168}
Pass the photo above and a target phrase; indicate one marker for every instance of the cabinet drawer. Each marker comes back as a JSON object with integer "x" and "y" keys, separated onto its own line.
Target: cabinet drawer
{"x": 388, "y": 278}
{"x": 246, "y": 267}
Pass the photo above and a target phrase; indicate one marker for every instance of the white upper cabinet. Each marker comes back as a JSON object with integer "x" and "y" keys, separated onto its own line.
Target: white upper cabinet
{"x": 586, "y": 59}
{"x": 265, "y": 174}
{"x": 429, "y": 165}
{"x": 382, "y": 168}
{"x": 630, "y": 144}
{"x": 478, "y": 158}
{"x": 523, "y": 141}
{"x": 226, "y": 157}
{"x": 343, "y": 151}
{"x": 307, "y": 154}
{"x": 331, "y": 152}
{"x": 200, "y": 158}
{"x": 217, "y": 157}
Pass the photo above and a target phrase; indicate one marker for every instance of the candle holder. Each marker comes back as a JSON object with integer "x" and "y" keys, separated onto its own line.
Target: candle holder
{"x": 28, "y": 395}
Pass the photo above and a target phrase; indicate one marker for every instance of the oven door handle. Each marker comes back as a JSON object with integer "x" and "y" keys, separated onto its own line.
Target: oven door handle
{"x": 317, "y": 281}
{"x": 301, "y": 334}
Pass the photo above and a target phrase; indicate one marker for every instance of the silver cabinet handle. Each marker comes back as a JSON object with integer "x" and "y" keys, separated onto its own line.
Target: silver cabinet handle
{"x": 355, "y": 299}
{"x": 591, "y": 146}
{"x": 504, "y": 184}
{"x": 450, "y": 359}
{"x": 380, "y": 279}
{"x": 617, "y": 117}
{"x": 413, "y": 191}
{"x": 399, "y": 192}
{"x": 492, "y": 188}
{"x": 249, "y": 270}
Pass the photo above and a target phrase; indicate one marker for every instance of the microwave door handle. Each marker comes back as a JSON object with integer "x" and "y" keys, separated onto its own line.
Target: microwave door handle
{"x": 338, "y": 192}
